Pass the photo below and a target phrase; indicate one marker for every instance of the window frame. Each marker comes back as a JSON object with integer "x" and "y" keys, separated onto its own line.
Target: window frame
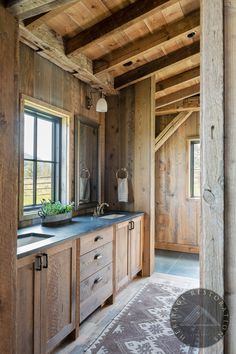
{"x": 191, "y": 142}
{"x": 56, "y": 144}
{"x": 66, "y": 153}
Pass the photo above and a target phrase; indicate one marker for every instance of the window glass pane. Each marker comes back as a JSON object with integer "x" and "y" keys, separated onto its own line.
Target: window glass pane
{"x": 28, "y": 183}
{"x": 28, "y": 136}
{"x": 44, "y": 140}
{"x": 44, "y": 181}
{"x": 196, "y": 177}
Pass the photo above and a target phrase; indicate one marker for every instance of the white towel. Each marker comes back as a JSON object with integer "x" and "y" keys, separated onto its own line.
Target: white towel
{"x": 123, "y": 189}
{"x": 84, "y": 189}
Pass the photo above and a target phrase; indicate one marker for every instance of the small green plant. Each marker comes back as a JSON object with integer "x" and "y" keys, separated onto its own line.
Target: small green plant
{"x": 54, "y": 208}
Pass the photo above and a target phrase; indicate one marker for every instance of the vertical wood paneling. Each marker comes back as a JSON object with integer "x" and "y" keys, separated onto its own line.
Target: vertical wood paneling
{"x": 212, "y": 150}
{"x": 177, "y": 216}
{"x": 8, "y": 178}
{"x": 230, "y": 171}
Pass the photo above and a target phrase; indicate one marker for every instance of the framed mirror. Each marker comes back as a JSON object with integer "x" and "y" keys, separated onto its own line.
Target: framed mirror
{"x": 86, "y": 158}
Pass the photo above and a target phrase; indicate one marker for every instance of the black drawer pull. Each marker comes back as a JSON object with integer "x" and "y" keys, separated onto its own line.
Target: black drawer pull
{"x": 98, "y": 256}
{"x": 38, "y": 263}
{"x": 98, "y": 238}
{"x": 130, "y": 225}
{"x": 97, "y": 280}
{"x": 45, "y": 257}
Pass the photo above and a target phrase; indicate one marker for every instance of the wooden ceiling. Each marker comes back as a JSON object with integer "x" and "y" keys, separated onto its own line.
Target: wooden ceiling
{"x": 113, "y": 43}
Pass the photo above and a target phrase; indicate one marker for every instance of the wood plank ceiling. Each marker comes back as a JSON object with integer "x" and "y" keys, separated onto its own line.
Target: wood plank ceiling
{"x": 114, "y": 43}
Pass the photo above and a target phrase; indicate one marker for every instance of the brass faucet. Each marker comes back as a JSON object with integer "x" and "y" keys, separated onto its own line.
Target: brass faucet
{"x": 99, "y": 210}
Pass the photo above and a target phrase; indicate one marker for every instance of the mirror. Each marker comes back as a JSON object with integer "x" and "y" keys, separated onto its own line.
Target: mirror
{"x": 86, "y": 177}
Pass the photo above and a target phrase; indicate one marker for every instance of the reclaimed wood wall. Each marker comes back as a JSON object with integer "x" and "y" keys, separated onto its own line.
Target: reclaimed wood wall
{"x": 8, "y": 178}
{"x": 130, "y": 135}
{"x": 177, "y": 215}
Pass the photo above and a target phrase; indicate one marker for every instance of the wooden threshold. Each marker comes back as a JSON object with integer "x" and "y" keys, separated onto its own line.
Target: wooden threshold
{"x": 177, "y": 247}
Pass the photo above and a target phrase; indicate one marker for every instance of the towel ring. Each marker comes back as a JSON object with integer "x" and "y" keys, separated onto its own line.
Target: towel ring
{"x": 84, "y": 173}
{"x": 122, "y": 170}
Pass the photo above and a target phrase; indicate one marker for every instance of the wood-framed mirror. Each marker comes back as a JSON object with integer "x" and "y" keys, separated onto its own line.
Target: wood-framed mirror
{"x": 86, "y": 162}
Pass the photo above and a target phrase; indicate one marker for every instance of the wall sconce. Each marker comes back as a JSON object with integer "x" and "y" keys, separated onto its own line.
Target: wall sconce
{"x": 101, "y": 105}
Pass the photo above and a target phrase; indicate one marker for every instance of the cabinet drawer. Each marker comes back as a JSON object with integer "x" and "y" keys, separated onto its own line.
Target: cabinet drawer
{"x": 95, "y": 260}
{"x": 95, "y": 290}
{"x": 95, "y": 240}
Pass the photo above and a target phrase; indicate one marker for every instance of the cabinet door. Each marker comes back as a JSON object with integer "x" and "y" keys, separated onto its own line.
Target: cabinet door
{"x": 122, "y": 255}
{"x": 28, "y": 306}
{"x": 136, "y": 235}
{"x": 58, "y": 294}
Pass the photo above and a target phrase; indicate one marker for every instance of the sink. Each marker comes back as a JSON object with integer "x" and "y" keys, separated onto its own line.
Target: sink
{"x": 27, "y": 239}
{"x": 112, "y": 216}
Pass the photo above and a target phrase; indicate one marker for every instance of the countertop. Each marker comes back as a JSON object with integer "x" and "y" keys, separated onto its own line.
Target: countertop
{"x": 78, "y": 227}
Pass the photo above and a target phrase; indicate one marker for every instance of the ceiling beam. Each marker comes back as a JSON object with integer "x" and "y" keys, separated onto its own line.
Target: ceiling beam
{"x": 51, "y": 47}
{"x": 178, "y": 80}
{"x": 187, "y": 104}
{"x": 170, "y": 129}
{"x": 177, "y": 96}
{"x": 120, "y": 20}
{"x": 133, "y": 50}
{"x": 150, "y": 68}
{"x": 24, "y": 9}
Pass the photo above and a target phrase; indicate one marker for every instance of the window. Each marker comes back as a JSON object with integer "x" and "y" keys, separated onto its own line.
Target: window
{"x": 194, "y": 168}
{"x": 42, "y": 158}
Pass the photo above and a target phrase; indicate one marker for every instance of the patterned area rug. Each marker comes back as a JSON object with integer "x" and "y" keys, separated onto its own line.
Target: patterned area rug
{"x": 143, "y": 327}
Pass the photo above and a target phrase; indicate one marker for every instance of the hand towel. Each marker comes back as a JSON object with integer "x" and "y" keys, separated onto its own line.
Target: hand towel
{"x": 84, "y": 189}
{"x": 123, "y": 191}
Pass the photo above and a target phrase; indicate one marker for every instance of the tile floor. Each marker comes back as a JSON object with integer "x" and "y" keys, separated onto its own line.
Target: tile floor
{"x": 177, "y": 263}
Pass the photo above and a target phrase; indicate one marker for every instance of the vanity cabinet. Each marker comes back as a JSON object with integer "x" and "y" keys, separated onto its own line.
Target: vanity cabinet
{"x": 96, "y": 270}
{"x": 128, "y": 251}
{"x": 46, "y": 295}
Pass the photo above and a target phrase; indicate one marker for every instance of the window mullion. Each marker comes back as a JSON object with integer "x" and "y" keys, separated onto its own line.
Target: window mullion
{"x": 35, "y": 161}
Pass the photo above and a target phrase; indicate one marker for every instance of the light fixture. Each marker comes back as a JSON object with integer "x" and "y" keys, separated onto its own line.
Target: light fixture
{"x": 101, "y": 105}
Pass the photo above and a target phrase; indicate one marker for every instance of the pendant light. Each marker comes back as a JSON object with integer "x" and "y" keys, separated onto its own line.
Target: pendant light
{"x": 101, "y": 105}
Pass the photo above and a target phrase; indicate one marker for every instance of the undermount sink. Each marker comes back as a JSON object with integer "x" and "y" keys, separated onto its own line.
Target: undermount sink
{"x": 112, "y": 216}
{"x": 27, "y": 239}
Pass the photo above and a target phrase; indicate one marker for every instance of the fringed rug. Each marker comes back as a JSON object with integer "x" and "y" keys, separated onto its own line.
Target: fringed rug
{"x": 143, "y": 326}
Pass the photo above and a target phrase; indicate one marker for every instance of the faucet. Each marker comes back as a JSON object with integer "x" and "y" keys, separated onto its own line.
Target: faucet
{"x": 99, "y": 210}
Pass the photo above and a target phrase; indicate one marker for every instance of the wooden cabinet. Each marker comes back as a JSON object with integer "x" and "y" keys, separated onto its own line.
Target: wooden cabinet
{"x": 128, "y": 251}
{"x": 46, "y": 294}
{"x": 96, "y": 270}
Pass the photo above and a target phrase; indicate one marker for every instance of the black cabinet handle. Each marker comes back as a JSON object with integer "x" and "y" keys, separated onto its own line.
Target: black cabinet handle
{"x": 98, "y": 256}
{"x": 38, "y": 263}
{"x": 130, "y": 225}
{"x": 45, "y": 257}
{"x": 98, "y": 238}
{"x": 97, "y": 280}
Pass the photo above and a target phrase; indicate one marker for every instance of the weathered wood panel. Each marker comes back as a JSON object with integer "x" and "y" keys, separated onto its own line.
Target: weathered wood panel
{"x": 230, "y": 171}
{"x": 130, "y": 135}
{"x": 8, "y": 178}
{"x": 177, "y": 216}
{"x": 212, "y": 150}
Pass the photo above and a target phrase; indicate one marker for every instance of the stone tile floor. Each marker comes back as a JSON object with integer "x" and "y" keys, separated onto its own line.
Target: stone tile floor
{"x": 177, "y": 263}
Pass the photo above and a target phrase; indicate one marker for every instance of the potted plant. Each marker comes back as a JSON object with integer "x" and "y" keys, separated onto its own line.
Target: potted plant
{"x": 55, "y": 213}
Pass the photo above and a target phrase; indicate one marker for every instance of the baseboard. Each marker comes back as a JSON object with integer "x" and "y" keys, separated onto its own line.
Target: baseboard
{"x": 176, "y": 247}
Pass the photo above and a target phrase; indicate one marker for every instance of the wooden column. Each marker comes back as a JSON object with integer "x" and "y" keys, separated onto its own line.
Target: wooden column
{"x": 8, "y": 179}
{"x": 230, "y": 171}
{"x": 144, "y": 165}
{"x": 212, "y": 150}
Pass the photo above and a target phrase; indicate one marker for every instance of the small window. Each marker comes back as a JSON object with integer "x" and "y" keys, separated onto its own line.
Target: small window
{"x": 195, "y": 168}
{"x": 42, "y": 158}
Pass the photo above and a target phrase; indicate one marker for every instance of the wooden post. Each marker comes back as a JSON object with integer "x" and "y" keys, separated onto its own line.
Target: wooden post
{"x": 230, "y": 171}
{"x": 212, "y": 151}
{"x": 8, "y": 179}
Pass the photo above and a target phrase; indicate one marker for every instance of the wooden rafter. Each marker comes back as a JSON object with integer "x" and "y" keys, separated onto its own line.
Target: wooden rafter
{"x": 177, "y": 96}
{"x": 120, "y": 20}
{"x": 188, "y": 104}
{"x": 150, "y": 68}
{"x": 24, "y": 9}
{"x": 171, "y": 128}
{"x": 141, "y": 46}
{"x": 179, "y": 79}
